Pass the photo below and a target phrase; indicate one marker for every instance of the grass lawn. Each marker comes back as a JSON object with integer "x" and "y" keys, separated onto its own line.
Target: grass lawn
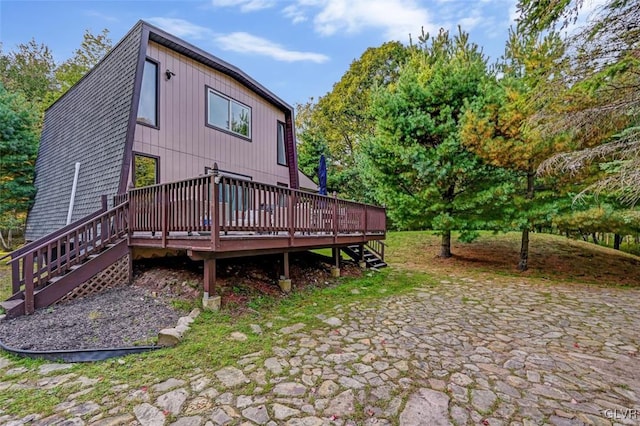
{"x": 551, "y": 258}
{"x": 414, "y": 263}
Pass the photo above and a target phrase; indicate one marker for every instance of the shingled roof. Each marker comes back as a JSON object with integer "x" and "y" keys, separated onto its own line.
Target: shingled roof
{"x": 88, "y": 124}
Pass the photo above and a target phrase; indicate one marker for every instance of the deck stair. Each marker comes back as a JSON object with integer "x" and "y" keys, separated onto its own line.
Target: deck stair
{"x": 373, "y": 256}
{"x": 46, "y": 270}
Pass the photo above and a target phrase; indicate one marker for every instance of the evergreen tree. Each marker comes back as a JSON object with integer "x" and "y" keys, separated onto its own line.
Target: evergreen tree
{"x": 18, "y": 150}
{"x": 602, "y": 108}
{"x": 416, "y": 162}
{"x": 494, "y": 125}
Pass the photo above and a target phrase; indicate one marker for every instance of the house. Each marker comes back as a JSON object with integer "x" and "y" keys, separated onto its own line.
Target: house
{"x": 162, "y": 146}
{"x": 157, "y": 109}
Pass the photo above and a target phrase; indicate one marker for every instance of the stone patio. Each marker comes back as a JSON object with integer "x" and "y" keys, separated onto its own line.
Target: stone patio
{"x": 462, "y": 352}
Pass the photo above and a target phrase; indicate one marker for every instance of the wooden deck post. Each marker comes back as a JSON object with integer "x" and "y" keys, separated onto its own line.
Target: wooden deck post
{"x": 291, "y": 216}
{"x": 164, "y": 215}
{"x": 285, "y": 282}
{"x": 104, "y": 225}
{"x": 335, "y": 218}
{"x": 285, "y": 268}
{"x": 15, "y": 275}
{"x": 210, "y": 300}
{"x": 209, "y": 276}
{"x": 365, "y": 220}
{"x": 335, "y": 270}
{"x": 361, "y": 262}
{"x": 29, "y": 303}
{"x": 214, "y": 220}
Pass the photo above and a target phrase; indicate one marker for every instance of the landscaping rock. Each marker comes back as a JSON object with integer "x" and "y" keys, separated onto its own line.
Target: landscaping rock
{"x": 426, "y": 407}
{"x": 50, "y": 368}
{"x": 172, "y": 401}
{"x": 231, "y": 377}
{"x": 257, "y": 414}
{"x": 148, "y": 415}
{"x": 169, "y": 337}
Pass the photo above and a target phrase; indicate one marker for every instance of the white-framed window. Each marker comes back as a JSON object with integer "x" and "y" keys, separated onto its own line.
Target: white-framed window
{"x": 228, "y": 114}
{"x": 282, "y": 150}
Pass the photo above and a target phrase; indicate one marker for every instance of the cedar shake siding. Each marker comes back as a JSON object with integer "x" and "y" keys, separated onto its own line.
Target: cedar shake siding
{"x": 88, "y": 124}
{"x": 185, "y": 143}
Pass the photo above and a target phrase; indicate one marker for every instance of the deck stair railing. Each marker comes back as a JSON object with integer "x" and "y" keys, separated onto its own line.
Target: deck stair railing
{"x": 372, "y": 253}
{"x": 40, "y": 263}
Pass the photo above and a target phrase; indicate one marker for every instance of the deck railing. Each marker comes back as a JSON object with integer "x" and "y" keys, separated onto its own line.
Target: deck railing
{"x": 37, "y": 264}
{"x": 377, "y": 247}
{"x": 222, "y": 205}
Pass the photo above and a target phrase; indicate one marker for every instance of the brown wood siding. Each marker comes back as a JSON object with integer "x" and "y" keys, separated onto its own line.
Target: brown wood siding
{"x": 183, "y": 141}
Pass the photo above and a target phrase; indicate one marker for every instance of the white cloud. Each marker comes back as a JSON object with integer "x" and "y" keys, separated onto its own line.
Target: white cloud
{"x": 249, "y": 44}
{"x": 395, "y": 18}
{"x": 245, "y": 5}
{"x": 181, "y": 28}
{"x": 294, "y": 13}
{"x": 471, "y": 20}
{"x": 241, "y": 42}
{"x": 100, "y": 15}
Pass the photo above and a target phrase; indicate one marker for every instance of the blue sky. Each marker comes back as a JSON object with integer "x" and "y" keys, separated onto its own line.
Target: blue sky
{"x": 296, "y": 48}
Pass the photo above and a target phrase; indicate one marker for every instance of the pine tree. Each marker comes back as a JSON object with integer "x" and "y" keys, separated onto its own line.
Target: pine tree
{"x": 495, "y": 125}
{"x": 416, "y": 162}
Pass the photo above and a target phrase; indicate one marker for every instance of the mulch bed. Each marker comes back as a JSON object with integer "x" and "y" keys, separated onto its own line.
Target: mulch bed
{"x": 131, "y": 315}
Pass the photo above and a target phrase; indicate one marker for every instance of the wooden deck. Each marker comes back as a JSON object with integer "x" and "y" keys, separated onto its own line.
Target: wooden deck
{"x": 247, "y": 217}
{"x": 208, "y": 217}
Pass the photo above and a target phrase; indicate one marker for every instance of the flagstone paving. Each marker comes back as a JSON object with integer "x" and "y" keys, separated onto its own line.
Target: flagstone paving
{"x": 462, "y": 352}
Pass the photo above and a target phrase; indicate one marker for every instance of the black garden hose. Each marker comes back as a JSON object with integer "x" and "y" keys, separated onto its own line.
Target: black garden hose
{"x": 79, "y": 355}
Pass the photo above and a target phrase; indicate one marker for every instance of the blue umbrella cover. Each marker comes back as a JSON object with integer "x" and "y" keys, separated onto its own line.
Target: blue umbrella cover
{"x": 322, "y": 176}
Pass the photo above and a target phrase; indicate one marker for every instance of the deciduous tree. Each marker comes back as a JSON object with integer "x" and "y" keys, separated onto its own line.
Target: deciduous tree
{"x": 29, "y": 70}
{"x": 341, "y": 119}
{"x": 92, "y": 49}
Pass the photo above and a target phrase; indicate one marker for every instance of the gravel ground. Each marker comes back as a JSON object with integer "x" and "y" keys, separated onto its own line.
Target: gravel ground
{"x": 121, "y": 317}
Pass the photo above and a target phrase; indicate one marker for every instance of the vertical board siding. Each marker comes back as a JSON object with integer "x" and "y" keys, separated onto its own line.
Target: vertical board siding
{"x": 186, "y": 145}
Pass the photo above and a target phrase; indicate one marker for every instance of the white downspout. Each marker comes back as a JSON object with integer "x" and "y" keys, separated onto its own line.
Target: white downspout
{"x": 73, "y": 193}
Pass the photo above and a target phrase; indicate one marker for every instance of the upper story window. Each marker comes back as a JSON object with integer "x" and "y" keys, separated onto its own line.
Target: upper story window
{"x": 228, "y": 114}
{"x": 148, "y": 106}
{"x": 282, "y": 151}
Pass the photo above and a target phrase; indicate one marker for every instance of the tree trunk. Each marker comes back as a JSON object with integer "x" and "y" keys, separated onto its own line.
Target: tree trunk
{"x": 617, "y": 239}
{"x": 524, "y": 243}
{"x": 595, "y": 238}
{"x": 524, "y": 251}
{"x": 3, "y": 243}
{"x": 445, "y": 247}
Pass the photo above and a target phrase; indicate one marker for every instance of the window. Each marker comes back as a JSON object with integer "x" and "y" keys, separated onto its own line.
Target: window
{"x": 145, "y": 170}
{"x": 227, "y": 114}
{"x": 148, "y": 105}
{"x": 282, "y": 151}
